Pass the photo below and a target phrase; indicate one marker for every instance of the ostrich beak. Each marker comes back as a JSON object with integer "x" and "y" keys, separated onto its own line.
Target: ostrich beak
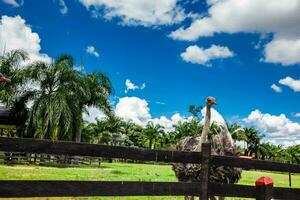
{"x": 215, "y": 102}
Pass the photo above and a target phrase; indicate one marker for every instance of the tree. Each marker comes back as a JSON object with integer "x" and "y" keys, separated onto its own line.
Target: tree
{"x": 194, "y": 127}
{"x": 252, "y": 139}
{"x": 152, "y": 133}
{"x": 113, "y": 127}
{"x": 55, "y": 110}
{"x": 195, "y": 111}
{"x": 61, "y": 95}
{"x": 96, "y": 89}
{"x": 268, "y": 151}
{"x": 294, "y": 154}
{"x": 214, "y": 129}
{"x": 9, "y": 67}
{"x": 134, "y": 134}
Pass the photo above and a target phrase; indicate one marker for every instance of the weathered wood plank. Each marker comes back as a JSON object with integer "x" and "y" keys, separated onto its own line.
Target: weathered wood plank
{"x": 205, "y": 165}
{"x": 254, "y": 164}
{"x": 231, "y": 190}
{"x": 131, "y": 188}
{"x": 286, "y": 193}
{"x": 95, "y": 188}
{"x": 264, "y": 192}
{"x": 7, "y": 117}
{"x": 94, "y": 150}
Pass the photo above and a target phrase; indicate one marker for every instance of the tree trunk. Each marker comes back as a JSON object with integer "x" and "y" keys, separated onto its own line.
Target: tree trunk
{"x": 78, "y": 134}
{"x": 150, "y": 143}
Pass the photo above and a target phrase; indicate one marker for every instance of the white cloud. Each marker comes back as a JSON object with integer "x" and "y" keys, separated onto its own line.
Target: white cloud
{"x": 136, "y": 110}
{"x": 280, "y": 18}
{"x": 16, "y": 34}
{"x": 277, "y": 128}
{"x": 291, "y": 83}
{"x": 160, "y": 103}
{"x": 14, "y": 3}
{"x": 93, "y": 114}
{"x": 63, "y": 7}
{"x": 284, "y": 51}
{"x": 198, "y": 55}
{"x": 133, "y": 109}
{"x": 168, "y": 124}
{"x": 131, "y": 86}
{"x": 92, "y": 51}
{"x": 296, "y": 114}
{"x": 276, "y": 88}
{"x": 215, "y": 117}
{"x": 164, "y": 122}
{"x": 137, "y": 12}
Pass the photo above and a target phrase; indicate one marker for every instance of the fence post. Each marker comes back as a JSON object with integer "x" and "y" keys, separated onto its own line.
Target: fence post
{"x": 264, "y": 188}
{"x": 205, "y": 162}
{"x": 290, "y": 177}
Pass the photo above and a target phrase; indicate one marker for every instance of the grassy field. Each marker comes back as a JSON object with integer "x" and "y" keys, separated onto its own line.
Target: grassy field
{"x": 125, "y": 172}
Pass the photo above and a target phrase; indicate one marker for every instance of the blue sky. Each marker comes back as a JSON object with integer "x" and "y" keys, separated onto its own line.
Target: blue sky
{"x": 183, "y": 51}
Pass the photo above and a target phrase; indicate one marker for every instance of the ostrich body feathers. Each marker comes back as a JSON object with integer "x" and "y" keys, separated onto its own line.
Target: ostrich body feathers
{"x": 221, "y": 145}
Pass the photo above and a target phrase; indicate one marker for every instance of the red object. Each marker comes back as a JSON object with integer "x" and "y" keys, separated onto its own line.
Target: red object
{"x": 4, "y": 79}
{"x": 264, "y": 180}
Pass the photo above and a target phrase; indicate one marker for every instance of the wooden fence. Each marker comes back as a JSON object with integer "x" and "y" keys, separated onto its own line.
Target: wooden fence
{"x": 16, "y": 158}
{"x": 131, "y": 188}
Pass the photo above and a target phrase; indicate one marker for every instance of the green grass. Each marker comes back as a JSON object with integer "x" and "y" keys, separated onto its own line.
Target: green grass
{"x": 124, "y": 172}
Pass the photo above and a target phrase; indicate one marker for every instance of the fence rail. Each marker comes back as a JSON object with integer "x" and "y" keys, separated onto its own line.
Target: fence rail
{"x": 48, "y": 159}
{"x": 131, "y": 188}
{"x": 95, "y": 150}
{"x": 127, "y": 188}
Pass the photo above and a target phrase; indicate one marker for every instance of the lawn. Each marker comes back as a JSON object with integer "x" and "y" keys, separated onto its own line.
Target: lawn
{"x": 123, "y": 172}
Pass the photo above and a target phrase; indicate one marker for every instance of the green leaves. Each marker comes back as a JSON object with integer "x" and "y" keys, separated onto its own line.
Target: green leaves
{"x": 61, "y": 97}
{"x": 9, "y": 67}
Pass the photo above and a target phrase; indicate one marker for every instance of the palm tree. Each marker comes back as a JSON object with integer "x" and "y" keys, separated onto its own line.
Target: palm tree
{"x": 55, "y": 109}
{"x": 61, "y": 96}
{"x": 9, "y": 67}
{"x": 113, "y": 126}
{"x": 294, "y": 154}
{"x": 95, "y": 133}
{"x": 214, "y": 129}
{"x": 253, "y": 139}
{"x": 194, "y": 127}
{"x": 96, "y": 89}
{"x": 152, "y": 133}
{"x": 134, "y": 134}
{"x": 181, "y": 130}
{"x": 195, "y": 111}
{"x": 268, "y": 151}
{"x": 237, "y": 132}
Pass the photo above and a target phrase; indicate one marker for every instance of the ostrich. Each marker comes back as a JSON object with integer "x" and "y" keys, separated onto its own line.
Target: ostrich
{"x": 222, "y": 144}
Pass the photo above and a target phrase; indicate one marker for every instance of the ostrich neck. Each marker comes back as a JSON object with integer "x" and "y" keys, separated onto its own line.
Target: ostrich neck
{"x": 206, "y": 124}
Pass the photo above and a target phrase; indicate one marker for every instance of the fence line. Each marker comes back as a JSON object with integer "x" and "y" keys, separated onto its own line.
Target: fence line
{"x": 95, "y": 150}
{"x": 132, "y": 188}
{"x": 48, "y": 160}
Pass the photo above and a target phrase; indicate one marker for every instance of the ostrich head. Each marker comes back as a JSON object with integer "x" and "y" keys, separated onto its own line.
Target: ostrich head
{"x": 210, "y": 101}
